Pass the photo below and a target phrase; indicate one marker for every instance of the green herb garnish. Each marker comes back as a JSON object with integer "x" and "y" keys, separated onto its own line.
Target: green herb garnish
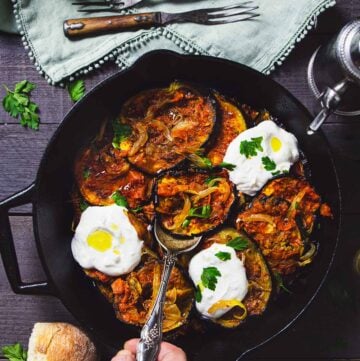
{"x": 251, "y": 147}
{"x": 277, "y": 172}
{"x": 224, "y": 256}
{"x": 208, "y": 180}
{"x": 14, "y": 352}
{"x": 121, "y": 132}
{"x": 86, "y": 173}
{"x": 209, "y": 277}
{"x": 268, "y": 163}
{"x": 137, "y": 209}
{"x": 238, "y": 243}
{"x": 280, "y": 282}
{"x": 76, "y": 90}
{"x": 119, "y": 199}
{"x": 227, "y": 166}
{"x": 17, "y": 103}
{"x": 200, "y": 212}
{"x": 185, "y": 223}
{"x": 198, "y": 295}
{"x": 83, "y": 205}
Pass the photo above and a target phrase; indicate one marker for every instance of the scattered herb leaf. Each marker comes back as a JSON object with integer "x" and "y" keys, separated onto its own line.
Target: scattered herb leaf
{"x": 198, "y": 295}
{"x": 251, "y": 147}
{"x": 83, "y": 205}
{"x": 121, "y": 132}
{"x": 280, "y": 282}
{"x": 185, "y": 223}
{"x": 76, "y": 90}
{"x": 209, "y": 277}
{"x": 268, "y": 163}
{"x": 14, "y": 352}
{"x": 224, "y": 256}
{"x": 238, "y": 243}
{"x": 227, "y": 166}
{"x": 200, "y": 212}
{"x": 18, "y": 104}
{"x": 86, "y": 173}
{"x": 208, "y": 180}
{"x": 285, "y": 171}
{"x": 119, "y": 199}
{"x": 277, "y": 172}
{"x": 137, "y": 209}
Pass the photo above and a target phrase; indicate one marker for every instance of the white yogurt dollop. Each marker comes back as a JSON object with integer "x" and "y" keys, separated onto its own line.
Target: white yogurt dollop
{"x": 279, "y": 150}
{"x": 231, "y": 285}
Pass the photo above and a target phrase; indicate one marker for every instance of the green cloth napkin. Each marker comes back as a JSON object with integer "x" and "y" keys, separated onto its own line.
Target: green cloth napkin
{"x": 260, "y": 44}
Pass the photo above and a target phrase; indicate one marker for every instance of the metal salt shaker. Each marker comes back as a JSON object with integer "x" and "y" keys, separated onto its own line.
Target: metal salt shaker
{"x": 334, "y": 75}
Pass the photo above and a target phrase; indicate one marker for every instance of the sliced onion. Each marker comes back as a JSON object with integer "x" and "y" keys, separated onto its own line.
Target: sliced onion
{"x": 166, "y": 130}
{"x": 205, "y": 193}
{"x": 180, "y": 218}
{"x": 310, "y": 253}
{"x": 260, "y": 217}
{"x": 140, "y": 142}
{"x": 214, "y": 181}
{"x": 297, "y": 199}
{"x": 229, "y": 304}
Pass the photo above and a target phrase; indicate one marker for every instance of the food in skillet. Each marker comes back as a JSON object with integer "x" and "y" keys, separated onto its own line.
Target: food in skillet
{"x": 231, "y": 277}
{"x": 166, "y": 125}
{"x": 193, "y": 202}
{"x": 280, "y": 220}
{"x": 259, "y": 154}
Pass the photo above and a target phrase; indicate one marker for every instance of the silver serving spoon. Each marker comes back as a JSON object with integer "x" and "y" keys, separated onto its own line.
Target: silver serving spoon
{"x": 151, "y": 334}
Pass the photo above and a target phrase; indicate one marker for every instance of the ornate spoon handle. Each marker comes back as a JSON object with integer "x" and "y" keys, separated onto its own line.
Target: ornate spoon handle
{"x": 151, "y": 334}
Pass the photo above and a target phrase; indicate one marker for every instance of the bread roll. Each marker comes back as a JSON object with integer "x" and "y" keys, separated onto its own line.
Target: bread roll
{"x": 60, "y": 342}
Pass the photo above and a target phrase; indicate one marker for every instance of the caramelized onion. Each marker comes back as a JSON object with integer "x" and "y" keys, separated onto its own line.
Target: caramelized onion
{"x": 140, "y": 142}
{"x": 295, "y": 202}
{"x": 260, "y": 217}
{"x": 180, "y": 218}
{"x": 309, "y": 254}
{"x": 204, "y": 193}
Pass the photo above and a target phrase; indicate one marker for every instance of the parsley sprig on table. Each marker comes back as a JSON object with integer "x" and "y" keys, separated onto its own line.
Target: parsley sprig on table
{"x": 251, "y": 147}
{"x": 18, "y": 104}
{"x": 14, "y": 352}
{"x": 76, "y": 90}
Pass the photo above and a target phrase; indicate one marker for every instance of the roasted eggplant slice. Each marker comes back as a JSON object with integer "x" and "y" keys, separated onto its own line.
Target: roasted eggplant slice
{"x": 280, "y": 220}
{"x": 135, "y": 294}
{"x": 166, "y": 125}
{"x": 232, "y": 124}
{"x": 257, "y": 273}
{"x": 99, "y": 174}
{"x": 193, "y": 202}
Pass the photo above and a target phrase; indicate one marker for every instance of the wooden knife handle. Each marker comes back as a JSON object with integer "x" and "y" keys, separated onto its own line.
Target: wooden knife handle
{"x": 100, "y": 25}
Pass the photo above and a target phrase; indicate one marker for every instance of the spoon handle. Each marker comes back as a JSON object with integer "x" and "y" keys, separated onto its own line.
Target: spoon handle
{"x": 151, "y": 334}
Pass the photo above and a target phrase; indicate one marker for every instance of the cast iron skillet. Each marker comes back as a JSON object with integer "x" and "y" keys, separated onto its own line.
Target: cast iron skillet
{"x": 50, "y": 196}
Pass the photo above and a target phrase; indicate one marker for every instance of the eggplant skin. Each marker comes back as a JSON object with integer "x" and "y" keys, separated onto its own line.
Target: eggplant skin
{"x": 280, "y": 220}
{"x": 193, "y": 202}
{"x": 135, "y": 293}
{"x": 257, "y": 273}
{"x": 167, "y": 124}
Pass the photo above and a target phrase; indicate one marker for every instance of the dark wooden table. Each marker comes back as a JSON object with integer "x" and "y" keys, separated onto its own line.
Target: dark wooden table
{"x": 329, "y": 329}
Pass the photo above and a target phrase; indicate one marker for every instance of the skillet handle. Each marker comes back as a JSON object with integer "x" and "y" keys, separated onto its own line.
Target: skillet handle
{"x": 7, "y": 247}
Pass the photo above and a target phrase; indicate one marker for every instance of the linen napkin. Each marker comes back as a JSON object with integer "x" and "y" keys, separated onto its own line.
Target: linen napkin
{"x": 260, "y": 44}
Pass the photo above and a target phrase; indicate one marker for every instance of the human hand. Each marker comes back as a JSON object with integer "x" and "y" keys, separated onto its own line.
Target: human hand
{"x": 168, "y": 352}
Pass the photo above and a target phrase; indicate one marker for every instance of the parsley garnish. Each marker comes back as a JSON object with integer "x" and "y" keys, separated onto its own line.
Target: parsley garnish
{"x": 200, "y": 212}
{"x": 198, "y": 295}
{"x": 83, "y": 205}
{"x": 17, "y": 103}
{"x": 277, "y": 172}
{"x": 227, "y": 166}
{"x": 121, "y": 132}
{"x": 208, "y": 180}
{"x": 137, "y": 209}
{"x": 86, "y": 173}
{"x": 119, "y": 199}
{"x": 280, "y": 282}
{"x": 209, "y": 277}
{"x": 238, "y": 243}
{"x": 250, "y": 148}
{"x": 185, "y": 223}
{"x": 76, "y": 90}
{"x": 224, "y": 256}
{"x": 14, "y": 352}
{"x": 268, "y": 163}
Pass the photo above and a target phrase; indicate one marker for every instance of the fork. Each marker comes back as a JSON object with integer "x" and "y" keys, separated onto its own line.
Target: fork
{"x": 211, "y": 16}
{"x": 107, "y": 5}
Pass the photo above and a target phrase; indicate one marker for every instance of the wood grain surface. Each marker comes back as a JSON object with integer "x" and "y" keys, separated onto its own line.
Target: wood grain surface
{"x": 328, "y": 330}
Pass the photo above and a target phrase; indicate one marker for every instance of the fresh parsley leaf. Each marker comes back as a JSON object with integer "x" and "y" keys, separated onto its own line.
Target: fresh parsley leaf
{"x": 277, "y": 172}
{"x": 119, "y": 199}
{"x": 227, "y": 166}
{"x": 198, "y": 295}
{"x": 17, "y": 103}
{"x": 238, "y": 243}
{"x": 14, "y": 352}
{"x": 185, "y": 223}
{"x": 280, "y": 282}
{"x": 224, "y": 256}
{"x": 285, "y": 171}
{"x": 200, "y": 212}
{"x": 76, "y": 90}
{"x": 83, "y": 205}
{"x": 209, "y": 277}
{"x": 121, "y": 132}
{"x": 86, "y": 173}
{"x": 137, "y": 209}
{"x": 268, "y": 163}
{"x": 251, "y": 147}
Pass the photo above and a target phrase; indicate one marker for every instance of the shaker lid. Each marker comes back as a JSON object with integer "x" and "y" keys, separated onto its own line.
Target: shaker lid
{"x": 348, "y": 49}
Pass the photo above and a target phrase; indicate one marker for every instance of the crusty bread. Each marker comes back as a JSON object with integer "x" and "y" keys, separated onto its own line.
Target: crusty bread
{"x": 60, "y": 342}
